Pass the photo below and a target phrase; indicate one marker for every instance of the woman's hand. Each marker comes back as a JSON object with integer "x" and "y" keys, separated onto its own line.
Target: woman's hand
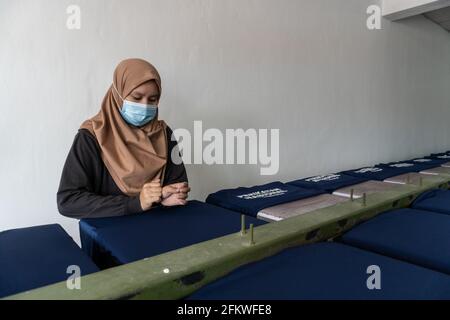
{"x": 151, "y": 193}
{"x": 175, "y": 194}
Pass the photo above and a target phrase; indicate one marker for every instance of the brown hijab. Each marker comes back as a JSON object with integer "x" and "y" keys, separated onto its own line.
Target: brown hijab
{"x": 133, "y": 156}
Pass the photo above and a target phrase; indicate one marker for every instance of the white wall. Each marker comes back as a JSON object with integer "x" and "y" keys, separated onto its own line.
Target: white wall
{"x": 343, "y": 96}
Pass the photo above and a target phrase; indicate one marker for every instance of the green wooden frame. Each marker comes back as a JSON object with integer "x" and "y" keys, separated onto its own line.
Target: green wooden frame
{"x": 176, "y": 274}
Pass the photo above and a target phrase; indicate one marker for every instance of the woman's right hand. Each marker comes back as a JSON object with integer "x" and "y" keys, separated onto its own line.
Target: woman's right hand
{"x": 151, "y": 193}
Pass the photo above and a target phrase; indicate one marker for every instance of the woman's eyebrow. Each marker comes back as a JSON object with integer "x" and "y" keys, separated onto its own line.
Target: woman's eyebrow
{"x": 142, "y": 94}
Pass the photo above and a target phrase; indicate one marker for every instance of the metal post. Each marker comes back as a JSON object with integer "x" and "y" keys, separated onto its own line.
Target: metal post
{"x": 243, "y": 231}
{"x": 252, "y": 241}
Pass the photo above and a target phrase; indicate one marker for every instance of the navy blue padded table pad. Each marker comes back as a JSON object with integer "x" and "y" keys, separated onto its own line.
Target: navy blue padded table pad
{"x": 119, "y": 240}
{"x": 328, "y": 183}
{"x": 253, "y": 199}
{"x": 378, "y": 173}
{"x": 437, "y": 200}
{"x": 38, "y": 256}
{"x": 419, "y": 237}
{"x": 430, "y": 161}
{"x": 411, "y": 166}
{"x": 326, "y": 271}
{"x": 440, "y": 156}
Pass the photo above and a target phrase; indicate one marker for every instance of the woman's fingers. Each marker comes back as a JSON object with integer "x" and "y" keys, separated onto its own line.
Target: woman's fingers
{"x": 180, "y": 184}
{"x": 157, "y": 188}
{"x": 152, "y": 184}
{"x": 171, "y": 188}
{"x": 183, "y": 190}
{"x": 170, "y": 195}
{"x": 175, "y": 188}
{"x": 168, "y": 190}
{"x": 155, "y": 199}
{"x": 181, "y": 196}
{"x": 151, "y": 193}
{"x": 174, "y": 201}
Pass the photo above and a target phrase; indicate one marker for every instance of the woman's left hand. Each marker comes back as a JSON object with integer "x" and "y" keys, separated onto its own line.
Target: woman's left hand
{"x": 175, "y": 194}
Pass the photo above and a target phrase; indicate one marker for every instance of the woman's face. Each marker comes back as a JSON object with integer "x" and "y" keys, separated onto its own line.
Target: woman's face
{"x": 146, "y": 93}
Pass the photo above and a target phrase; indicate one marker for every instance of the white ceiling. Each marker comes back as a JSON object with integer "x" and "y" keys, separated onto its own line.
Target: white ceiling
{"x": 441, "y": 17}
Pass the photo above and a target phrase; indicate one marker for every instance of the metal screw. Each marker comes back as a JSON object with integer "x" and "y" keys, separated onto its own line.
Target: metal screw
{"x": 252, "y": 242}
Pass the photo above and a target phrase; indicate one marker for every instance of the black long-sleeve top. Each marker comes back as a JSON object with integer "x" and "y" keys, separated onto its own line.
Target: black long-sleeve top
{"x": 87, "y": 190}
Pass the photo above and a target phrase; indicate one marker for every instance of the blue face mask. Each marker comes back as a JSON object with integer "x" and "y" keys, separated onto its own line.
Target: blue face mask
{"x": 138, "y": 114}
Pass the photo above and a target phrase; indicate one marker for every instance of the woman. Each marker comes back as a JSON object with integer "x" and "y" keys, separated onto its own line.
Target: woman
{"x": 119, "y": 163}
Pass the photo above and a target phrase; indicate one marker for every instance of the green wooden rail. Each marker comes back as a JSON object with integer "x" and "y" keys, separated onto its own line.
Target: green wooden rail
{"x": 177, "y": 274}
